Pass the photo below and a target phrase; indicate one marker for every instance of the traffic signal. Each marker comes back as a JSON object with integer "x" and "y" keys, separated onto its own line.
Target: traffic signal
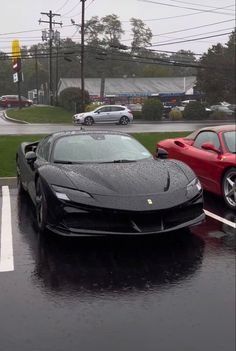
{"x": 16, "y": 64}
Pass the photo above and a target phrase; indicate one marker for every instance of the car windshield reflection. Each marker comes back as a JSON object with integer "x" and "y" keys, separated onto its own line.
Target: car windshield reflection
{"x": 98, "y": 148}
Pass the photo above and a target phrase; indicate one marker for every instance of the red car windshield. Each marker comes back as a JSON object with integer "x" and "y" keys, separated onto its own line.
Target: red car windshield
{"x": 230, "y": 141}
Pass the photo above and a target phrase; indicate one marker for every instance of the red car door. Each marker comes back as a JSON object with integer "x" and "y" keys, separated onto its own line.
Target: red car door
{"x": 204, "y": 162}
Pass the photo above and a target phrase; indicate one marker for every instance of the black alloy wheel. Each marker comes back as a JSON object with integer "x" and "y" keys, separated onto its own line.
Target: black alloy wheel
{"x": 124, "y": 120}
{"x": 229, "y": 188}
{"x": 19, "y": 182}
{"x": 88, "y": 121}
{"x": 41, "y": 207}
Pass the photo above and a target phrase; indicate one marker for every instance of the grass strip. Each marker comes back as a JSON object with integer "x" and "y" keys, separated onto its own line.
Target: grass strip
{"x": 38, "y": 114}
{"x": 10, "y": 144}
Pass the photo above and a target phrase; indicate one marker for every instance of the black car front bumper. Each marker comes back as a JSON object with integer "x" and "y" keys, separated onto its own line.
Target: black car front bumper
{"x": 83, "y": 220}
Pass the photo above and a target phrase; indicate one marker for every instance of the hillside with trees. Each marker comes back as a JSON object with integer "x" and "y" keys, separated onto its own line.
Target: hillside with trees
{"x": 107, "y": 56}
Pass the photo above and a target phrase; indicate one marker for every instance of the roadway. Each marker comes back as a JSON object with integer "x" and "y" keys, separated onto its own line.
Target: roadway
{"x": 10, "y": 128}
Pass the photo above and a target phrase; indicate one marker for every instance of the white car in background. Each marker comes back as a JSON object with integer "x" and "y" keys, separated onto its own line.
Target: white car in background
{"x": 105, "y": 114}
{"x": 222, "y": 108}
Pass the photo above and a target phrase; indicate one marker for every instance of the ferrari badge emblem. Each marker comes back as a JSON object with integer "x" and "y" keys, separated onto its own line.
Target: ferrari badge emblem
{"x": 149, "y": 201}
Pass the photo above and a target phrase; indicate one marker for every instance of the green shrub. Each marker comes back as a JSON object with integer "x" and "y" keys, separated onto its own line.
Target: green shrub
{"x": 175, "y": 115}
{"x": 137, "y": 114}
{"x": 70, "y": 99}
{"x": 152, "y": 109}
{"x": 194, "y": 110}
{"x": 218, "y": 115}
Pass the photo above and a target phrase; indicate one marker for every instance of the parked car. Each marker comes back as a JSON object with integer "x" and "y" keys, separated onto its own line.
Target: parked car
{"x": 98, "y": 183}
{"x": 222, "y": 108}
{"x": 107, "y": 113}
{"x": 134, "y": 107}
{"x": 13, "y": 101}
{"x": 232, "y": 107}
{"x": 211, "y": 153}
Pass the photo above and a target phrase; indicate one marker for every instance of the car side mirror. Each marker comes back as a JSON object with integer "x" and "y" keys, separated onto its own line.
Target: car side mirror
{"x": 210, "y": 147}
{"x": 30, "y": 157}
{"x": 161, "y": 153}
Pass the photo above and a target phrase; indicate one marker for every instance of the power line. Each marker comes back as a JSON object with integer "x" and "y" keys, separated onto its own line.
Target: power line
{"x": 64, "y": 4}
{"x": 77, "y": 14}
{"x": 185, "y": 41}
{"x": 187, "y": 29}
{"x": 191, "y": 3}
{"x": 185, "y": 7}
{"x": 65, "y": 14}
{"x": 193, "y": 35}
{"x": 154, "y": 35}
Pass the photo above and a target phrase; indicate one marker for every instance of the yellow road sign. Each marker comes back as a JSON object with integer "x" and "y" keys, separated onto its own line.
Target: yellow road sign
{"x": 16, "y": 53}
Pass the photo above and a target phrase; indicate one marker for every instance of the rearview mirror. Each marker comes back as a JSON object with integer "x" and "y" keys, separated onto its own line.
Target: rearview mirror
{"x": 161, "y": 153}
{"x": 30, "y": 157}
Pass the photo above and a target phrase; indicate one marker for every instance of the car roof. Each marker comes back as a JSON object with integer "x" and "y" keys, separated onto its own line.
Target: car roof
{"x": 216, "y": 129}
{"x": 111, "y": 105}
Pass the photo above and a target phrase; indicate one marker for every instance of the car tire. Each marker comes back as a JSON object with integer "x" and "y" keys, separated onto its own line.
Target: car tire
{"x": 26, "y": 105}
{"x": 229, "y": 188}
{"x": 8, "y": 105}
{"x": 124, "y": 120}
{"x": 88, "y": 121}
{"x": 20, "y": 186}
{"x": 41, "y": 207}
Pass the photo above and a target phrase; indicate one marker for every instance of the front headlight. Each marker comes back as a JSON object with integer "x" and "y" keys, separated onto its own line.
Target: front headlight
{"x": 66, "y": 193}
{"x": 194, "y": 187}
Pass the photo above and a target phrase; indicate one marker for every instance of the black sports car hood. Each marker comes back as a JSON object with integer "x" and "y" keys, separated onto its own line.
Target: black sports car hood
{"x": 134, "y": 178}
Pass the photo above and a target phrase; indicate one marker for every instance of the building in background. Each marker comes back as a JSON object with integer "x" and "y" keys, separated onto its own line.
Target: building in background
{"x": 134, "y": 90}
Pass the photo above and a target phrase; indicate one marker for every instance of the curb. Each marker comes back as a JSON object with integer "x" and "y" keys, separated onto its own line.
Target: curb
{"x": 10, "y": 181}
{"x": 12, "y": 119}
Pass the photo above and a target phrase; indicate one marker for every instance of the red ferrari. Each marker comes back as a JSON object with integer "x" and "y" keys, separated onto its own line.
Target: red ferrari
{"x": 211, "y": 153}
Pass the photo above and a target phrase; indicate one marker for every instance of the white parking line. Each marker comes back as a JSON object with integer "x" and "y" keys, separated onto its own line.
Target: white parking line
{"x": 221, "y": 219}
{"x": 6, "y": 253}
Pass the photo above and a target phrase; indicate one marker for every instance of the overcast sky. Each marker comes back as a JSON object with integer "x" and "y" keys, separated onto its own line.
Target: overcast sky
{"x": 163, "y": 18}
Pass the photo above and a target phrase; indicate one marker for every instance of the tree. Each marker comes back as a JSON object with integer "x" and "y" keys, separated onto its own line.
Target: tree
{"x": 112, "y": 30}
{"x": 217, "y": 78}
{"x": 194, "y": 110}
{"x": 185, "y": 57}
{"x": 152, "y": 109}
{"x": 93, "y": 30}
{"x": 142, "y": 35}
{"x": 71, "y": 99}
{"x": 6, "y": 80}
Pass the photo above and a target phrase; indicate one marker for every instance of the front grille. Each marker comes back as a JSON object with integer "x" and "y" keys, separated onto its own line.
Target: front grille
{"x": 132, "y": 222}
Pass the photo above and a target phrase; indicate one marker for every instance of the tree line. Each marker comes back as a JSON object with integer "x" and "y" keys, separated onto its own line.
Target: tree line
{"x": 107, "y": 56}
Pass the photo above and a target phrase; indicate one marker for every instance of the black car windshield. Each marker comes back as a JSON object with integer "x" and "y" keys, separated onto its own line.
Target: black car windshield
{"x": 98, "y": 148}
{"x": 230, "y": 141}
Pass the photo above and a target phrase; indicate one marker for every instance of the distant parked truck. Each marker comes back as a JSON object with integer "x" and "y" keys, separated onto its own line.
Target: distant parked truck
{"x": 13, "y": 101}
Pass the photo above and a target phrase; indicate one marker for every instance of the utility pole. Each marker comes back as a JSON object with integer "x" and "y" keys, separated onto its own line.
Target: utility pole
{"x": 51, "y": 34}
{"x": 82, "y": 57}
{"x": 36, "y": 73}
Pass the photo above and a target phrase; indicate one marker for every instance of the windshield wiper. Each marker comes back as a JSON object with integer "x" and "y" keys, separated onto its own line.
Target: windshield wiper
{"x": 120, "y": 161}
{"x": 67, "y": 162}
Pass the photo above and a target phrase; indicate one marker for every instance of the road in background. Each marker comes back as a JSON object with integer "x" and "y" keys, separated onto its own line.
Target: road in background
{"x": 12, "y": 128}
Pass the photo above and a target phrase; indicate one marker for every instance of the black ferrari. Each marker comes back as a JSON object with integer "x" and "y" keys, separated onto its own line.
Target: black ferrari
{"x": 98, "y": 183}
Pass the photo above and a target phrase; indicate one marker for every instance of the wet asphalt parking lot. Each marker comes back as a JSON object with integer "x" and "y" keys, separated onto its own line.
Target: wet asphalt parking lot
{"x": 172, "y": 292}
